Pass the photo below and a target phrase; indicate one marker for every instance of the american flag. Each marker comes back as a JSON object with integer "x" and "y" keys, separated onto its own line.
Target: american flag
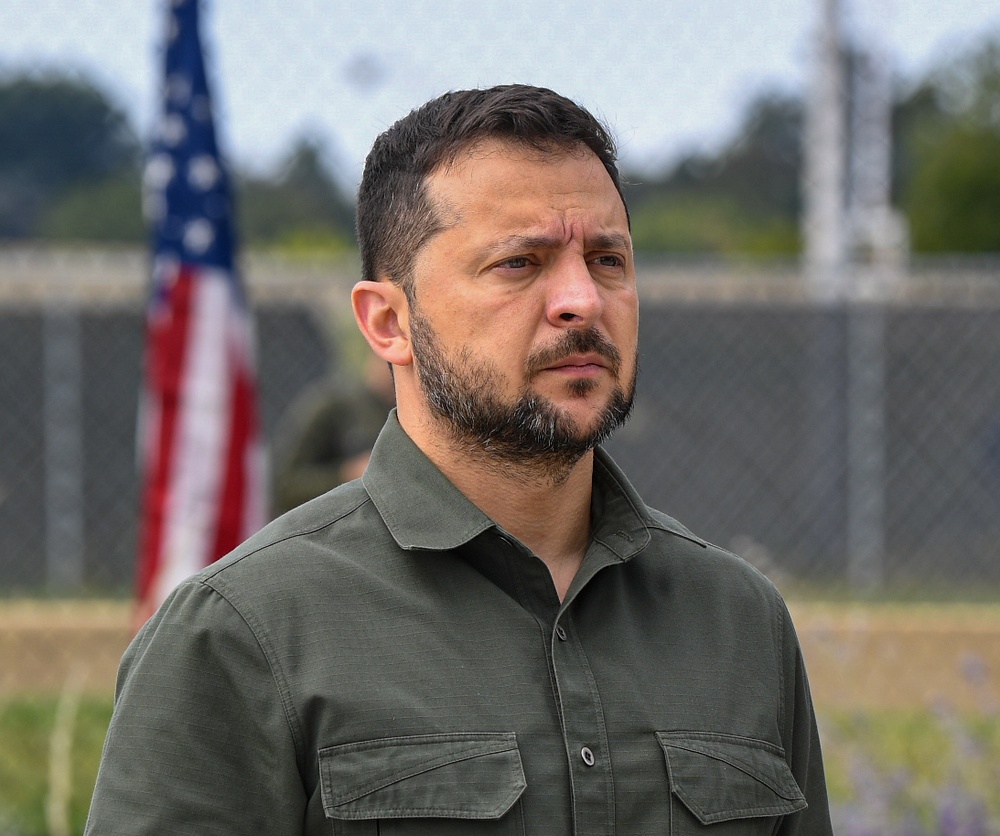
{"x": 201, "y": 455}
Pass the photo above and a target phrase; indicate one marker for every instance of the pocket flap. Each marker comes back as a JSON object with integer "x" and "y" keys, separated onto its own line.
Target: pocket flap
{"x": 721, "y": 777}
{"x": 465, "y": 776}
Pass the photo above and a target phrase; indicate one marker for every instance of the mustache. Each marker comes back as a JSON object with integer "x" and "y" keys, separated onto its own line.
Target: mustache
{"x": 576, "y": 341}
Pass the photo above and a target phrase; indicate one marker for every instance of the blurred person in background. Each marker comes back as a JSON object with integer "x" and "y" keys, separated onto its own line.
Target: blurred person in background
{"x": 327, "y": 434}
{"x": 489, "y": 632}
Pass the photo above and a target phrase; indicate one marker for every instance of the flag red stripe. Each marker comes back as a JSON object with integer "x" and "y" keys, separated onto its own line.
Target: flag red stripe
{"x": 167, "y": 353}
{"x": 242, "y": 432}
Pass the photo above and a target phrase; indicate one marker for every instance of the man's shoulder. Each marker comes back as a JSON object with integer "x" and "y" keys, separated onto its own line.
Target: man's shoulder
{"x": 338, "y": 527}
{"x": 313, "y": 570}
{"x": 675, "y": 549}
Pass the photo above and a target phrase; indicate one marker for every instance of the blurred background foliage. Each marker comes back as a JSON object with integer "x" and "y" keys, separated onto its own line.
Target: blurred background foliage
{"x": 70, "y": 170}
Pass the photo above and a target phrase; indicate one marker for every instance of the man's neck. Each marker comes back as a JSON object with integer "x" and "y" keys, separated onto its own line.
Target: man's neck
{"x": 547, "y": 509}
{"x": 551, "y": 517}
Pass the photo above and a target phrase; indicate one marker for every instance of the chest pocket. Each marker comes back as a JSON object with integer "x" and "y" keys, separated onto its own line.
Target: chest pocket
{"x": 439, "y": 783}
{"x": 725, "y": 785}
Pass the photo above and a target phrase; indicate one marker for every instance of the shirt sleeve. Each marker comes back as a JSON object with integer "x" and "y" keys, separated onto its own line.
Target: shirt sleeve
{"x": 802, "y": 744}
{"x": 199, "y": 742}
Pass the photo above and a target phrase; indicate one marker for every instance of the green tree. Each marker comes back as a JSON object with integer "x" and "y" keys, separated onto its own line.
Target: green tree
{"x": 742, "y": 200}
{"x": 952, "y": 196}
{"x": 56, "y": 134}
{"x": 917, "y": 117}
{"x": 953, "y": 201}
{"x": 109, "y": 210}
{"x": 302, "y": 208}
{"x": 745, "y": 199}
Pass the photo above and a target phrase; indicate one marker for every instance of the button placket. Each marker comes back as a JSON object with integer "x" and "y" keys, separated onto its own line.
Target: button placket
{"x": 582, "y": 714}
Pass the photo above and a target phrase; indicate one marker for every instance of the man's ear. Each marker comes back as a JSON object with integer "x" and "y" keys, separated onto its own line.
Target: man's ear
{"x": 382, "y": 313}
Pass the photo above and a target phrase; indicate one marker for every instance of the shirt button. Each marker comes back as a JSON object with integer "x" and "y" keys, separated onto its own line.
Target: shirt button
{"x": 587, "y": 755}
{"x": 561, "y": 633}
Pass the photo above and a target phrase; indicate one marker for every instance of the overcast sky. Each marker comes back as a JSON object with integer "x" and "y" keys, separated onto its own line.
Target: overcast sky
{"x": 668, "y": 75}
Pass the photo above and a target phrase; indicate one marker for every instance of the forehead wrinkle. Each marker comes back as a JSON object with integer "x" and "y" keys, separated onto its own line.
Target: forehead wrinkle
{"x": 452, "y": 191}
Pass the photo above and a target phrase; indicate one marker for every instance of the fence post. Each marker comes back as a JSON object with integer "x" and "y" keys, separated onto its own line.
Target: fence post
{"x": 865, "y": 444}
{"x": 63, "y": 416}
{"x": 878, "y": 244}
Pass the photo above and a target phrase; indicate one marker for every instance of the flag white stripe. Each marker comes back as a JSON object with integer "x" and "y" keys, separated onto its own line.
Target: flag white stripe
{"x": 198, "y": 464}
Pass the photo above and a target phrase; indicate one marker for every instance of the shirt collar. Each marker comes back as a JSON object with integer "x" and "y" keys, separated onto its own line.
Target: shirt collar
{"x": 424, "y": 510}
{"x": 420, "y": 506}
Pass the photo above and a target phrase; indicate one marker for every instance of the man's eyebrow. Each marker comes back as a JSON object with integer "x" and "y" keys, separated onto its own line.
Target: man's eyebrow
{"x": 609, "y": 241}
{"x": 525, "y": 242}
{"x": 599, "y": 241}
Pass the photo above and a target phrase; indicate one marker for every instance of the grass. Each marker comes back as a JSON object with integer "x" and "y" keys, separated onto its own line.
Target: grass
{"x": 26, "y": 734}
{"x": 889, "y": 773}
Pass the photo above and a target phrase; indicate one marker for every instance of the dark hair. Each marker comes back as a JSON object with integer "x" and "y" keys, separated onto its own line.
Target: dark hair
{"x": 395, "y": 216}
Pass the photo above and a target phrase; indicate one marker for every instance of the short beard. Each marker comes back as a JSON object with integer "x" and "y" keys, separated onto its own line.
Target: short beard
{"x": 531, "y": 433}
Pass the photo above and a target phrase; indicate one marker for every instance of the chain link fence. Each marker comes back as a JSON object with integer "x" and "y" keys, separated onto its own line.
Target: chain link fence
{"x": 852, "y": 443}
{"x": 836, "y": 444}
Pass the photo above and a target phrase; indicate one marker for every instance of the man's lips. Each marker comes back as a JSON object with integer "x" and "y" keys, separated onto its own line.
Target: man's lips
{"x": 579, "y": 364}
{"x": 577, "y": 353}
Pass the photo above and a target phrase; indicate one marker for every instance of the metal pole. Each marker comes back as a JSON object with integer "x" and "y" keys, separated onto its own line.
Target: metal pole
{"x": 866, "y": 437}
{"x": 824, "y": 164}
{"x": 64, "y": 522}
{"x": 824, "y": 261}
{"x": 877, "y": 243}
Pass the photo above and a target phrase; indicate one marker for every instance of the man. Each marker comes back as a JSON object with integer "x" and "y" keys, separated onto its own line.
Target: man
{"x": 489, "y": 632}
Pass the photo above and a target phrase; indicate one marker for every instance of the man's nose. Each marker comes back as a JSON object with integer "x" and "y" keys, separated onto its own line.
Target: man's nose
{"x": 574, "y": 297}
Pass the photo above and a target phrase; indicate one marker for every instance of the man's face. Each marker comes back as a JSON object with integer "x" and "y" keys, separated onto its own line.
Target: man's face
{"x": 525, "y": 317}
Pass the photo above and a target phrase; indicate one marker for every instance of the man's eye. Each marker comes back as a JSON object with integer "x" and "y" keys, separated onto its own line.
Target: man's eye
{"x": 517, "y": 263}
{"x": 610, "y": 261}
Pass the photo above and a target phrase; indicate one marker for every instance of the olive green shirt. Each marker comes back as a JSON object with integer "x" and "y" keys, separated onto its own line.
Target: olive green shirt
{"x": 387, "y": 660}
